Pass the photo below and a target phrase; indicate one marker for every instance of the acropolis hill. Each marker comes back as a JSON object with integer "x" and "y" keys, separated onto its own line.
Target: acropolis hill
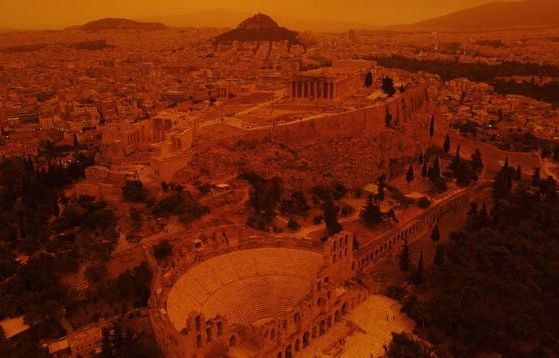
{"x": 260, "y": 191}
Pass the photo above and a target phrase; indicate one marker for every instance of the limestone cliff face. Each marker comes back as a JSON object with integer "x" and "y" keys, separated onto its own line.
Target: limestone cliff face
{"x": 354, "y": 147}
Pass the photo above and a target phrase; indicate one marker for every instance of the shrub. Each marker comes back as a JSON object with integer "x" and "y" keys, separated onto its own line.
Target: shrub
{"x": 292, "y": 224}
{"x": 162, "y": 250}
{"x": 396, "y": 292}
{"x": 133, "y": 190}
{"x": 423, "y": 202}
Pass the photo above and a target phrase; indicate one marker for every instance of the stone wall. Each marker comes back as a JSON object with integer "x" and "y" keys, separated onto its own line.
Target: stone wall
{"x": 401, "y": 107}
{"x": 391, "y": 242}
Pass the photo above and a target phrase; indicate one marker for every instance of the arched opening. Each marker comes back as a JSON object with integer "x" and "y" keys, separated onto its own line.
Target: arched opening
{"x": 338, "y": 316}
{"x": 297, "y": 346}
{"x": 322, "y": 328}
{"x": 344, "y": 309}
{"x": 305, "y": 339}
{"x": 232, "y": 341}
{"x": 219, "y": 329}
{"x": 279, "y": 355}
{"x": 273, "y": 333}
{"x": 288, "y": 353}
{"x": 199, "y": 341}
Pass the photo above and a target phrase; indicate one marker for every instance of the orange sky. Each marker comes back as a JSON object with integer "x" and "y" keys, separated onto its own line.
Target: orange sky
{"x": 61, "y": 13}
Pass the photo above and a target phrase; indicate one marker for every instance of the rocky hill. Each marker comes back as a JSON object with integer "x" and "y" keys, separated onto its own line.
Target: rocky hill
{"x": 259, "y": 27}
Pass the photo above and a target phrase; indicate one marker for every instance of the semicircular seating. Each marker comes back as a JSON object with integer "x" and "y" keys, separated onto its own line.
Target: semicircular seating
{"x": 244, "y": 286}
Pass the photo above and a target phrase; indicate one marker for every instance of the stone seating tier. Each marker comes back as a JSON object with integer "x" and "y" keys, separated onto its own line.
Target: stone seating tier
{"x": 244, "y": 286}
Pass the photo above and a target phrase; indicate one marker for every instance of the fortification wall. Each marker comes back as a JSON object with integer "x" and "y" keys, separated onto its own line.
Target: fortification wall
{"x": 390, "y": 242}
{"x": 401, "y": 107}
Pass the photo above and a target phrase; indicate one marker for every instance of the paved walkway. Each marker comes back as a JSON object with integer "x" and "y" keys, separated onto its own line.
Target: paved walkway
{"x": 364, "y": 331}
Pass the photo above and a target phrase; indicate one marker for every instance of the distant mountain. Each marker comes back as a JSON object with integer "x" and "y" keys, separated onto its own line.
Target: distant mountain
{"x": 500, "y": 14}
{"x": 230, "y": 19}
{"x": 120, "y": 24}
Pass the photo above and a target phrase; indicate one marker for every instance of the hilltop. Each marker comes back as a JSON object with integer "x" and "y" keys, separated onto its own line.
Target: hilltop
{"x": 499, "y": 14}
{"x": 230, "y": 19}
{"x": 259, "y": 27}
{"x": 120, "y": 24}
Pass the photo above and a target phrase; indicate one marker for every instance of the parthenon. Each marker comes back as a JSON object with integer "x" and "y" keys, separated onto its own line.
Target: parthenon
{"x": 313, "y": 87}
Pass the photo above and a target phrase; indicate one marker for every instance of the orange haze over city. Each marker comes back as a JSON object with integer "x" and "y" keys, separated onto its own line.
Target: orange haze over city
{"x": 36, "y": 14}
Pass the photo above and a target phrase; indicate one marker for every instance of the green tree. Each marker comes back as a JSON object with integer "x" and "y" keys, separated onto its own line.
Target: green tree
{"x": 404, "y": 346}
{"x": 439, "y": 256}
{"x": 477, "y": 164}
{"x": 418, "y": 275}
{"x": 380, "y": 189}
{"x": 404, "y": 257}
{"x": 388, "y": 119}
{"x": 293, "y": 225}
{"x": 536, "y": 177}
{"x": 162, "y": 250}
{"x": 371, "y": 214}
{"x": 388, "y": 86}
{"x": 331, "y": 217}
{"x": 96, "y": 273}
{"x": 435, "y": 170}
{"x": 133, "y": 190}
{"x": 446, "y": 145}
{"x": 409, "y": 174}
{"x": 432, "y": 127}
{"x": 106, "y": 344}
{"x": 369, "y": 79}
{"x": 435, "y": 233}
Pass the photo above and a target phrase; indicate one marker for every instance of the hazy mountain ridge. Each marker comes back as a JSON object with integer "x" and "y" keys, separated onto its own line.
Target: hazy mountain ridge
{"x": 230, "y": 19}
{"x": 499, "y": 14}
{"x": 120, "y": 24}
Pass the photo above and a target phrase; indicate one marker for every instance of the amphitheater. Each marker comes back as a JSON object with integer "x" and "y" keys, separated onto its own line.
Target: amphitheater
{"x": 244, "y": 286}
{"x": 228, "y": 293}
{"x": 234, "y": 293}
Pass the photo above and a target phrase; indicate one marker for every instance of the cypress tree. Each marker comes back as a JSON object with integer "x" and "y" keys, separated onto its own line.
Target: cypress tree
{"x": 436, "y": 233}
{"x": 446, "y": 145}
{"x": 536, "y": 177}
{"x": 439, "y": 256}
{"x": 405, "y": 257}
{"x": 372, "y": 214}
{"x": 432, "y": 127}
{"x": 331, "y": 218}
{"x": 369, "y": 79}
{"x": 418, "y": 277}
{"x": 409, "y": 174}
